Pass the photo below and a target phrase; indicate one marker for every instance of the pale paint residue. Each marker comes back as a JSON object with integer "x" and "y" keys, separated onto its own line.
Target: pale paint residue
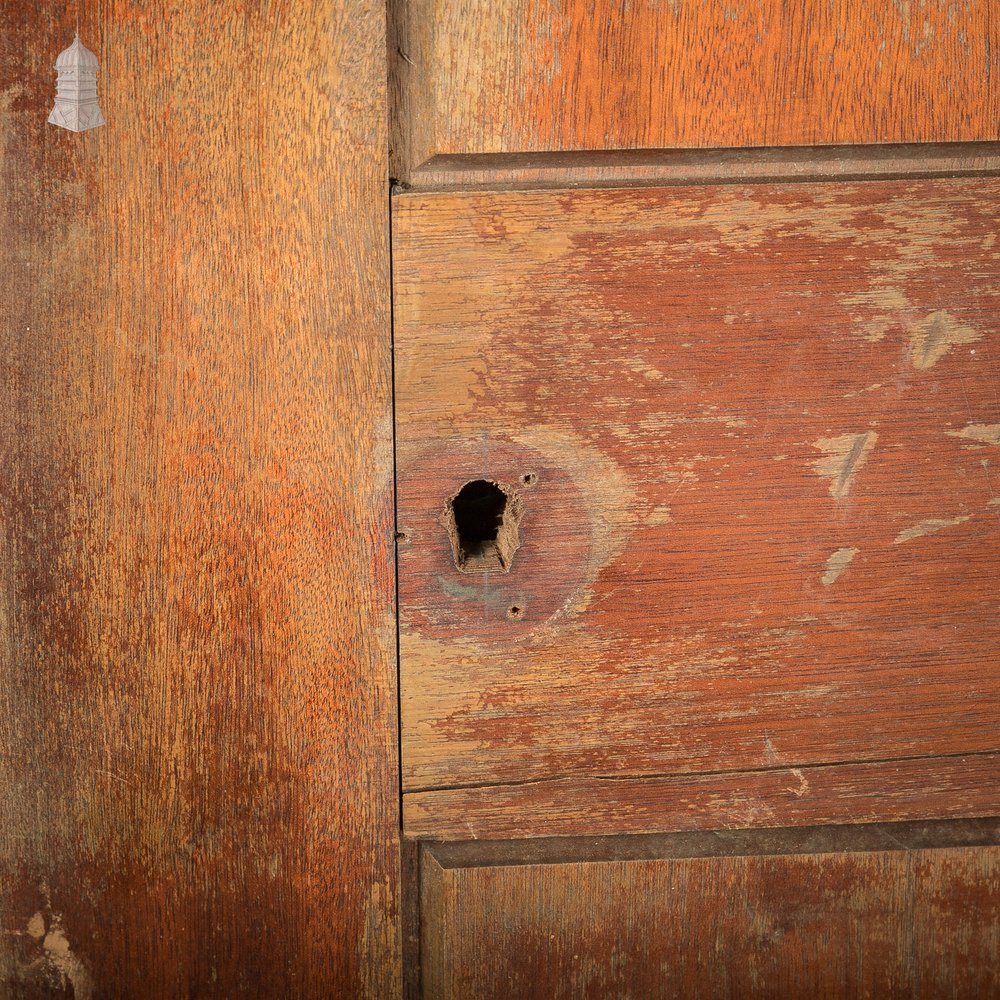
{"x": 929, "y": 526}
{"x": 658, "y": 422}
{"x": 910, "y": 236}
{"x": 836, "y": 565}
{"x": 983, "y": 433}
{"x": 888, "y": 303}
{"x": 54, "y": 964}
{"x": 934, "y": 336}
{"x": 436, "y": 677}
{"x": 659, "y": 515}
{"x": 642, "y": 367}
{"x": 56, "y": 946}
{"x": 36, "y": 927}
{"x": 803, "y": 788}
{"x": 874, "y": 387}
{"x": 845, "y": 455}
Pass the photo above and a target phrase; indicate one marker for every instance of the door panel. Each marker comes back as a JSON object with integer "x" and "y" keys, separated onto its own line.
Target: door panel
{"x": 565, "y": 75}
{"x": 747, "y": 434}
{"x": 830, "y": 913}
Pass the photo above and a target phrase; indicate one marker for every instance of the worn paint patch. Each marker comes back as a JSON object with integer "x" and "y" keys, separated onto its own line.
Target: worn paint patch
{"x": 935, "y": 336}
{"x": 845, "y": 455}
{"x": 888, "y": 305}
{"x": 49, "y": 966}
{"x": 659, "y": 515}
{"x": 61, "y": 956}
{"x": 36, "y": 927}
{"x": 983, "y": 433}
{"x": 836, "y": 564}
{"x": 929, "y": 526}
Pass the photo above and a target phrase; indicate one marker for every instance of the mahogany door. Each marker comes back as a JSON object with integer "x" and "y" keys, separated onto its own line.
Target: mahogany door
{"x": 687, "y": 410}
{"x": 697, "y": 347}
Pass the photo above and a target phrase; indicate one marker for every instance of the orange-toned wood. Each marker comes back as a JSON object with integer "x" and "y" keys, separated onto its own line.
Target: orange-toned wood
{"x": 920, "y": 788}
{"x": 197, "y": 696}
{"x": 505, "y": 77}
{"x": 763, "y": 529}
{"x": 873, "y": 920}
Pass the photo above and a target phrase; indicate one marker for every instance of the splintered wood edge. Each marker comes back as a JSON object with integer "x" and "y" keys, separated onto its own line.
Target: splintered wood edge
{"x": 926, "y": 788}
{"x": 665, "y": 167}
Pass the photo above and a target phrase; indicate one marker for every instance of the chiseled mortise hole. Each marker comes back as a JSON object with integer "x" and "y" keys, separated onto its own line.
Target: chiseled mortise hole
{"x": 482, "y": 520}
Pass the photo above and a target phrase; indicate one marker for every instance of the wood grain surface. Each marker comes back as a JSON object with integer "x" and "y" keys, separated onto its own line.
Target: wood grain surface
{"x": 878, "y": 791}
{"x": 197, "y": 671}
{"x": 754, "y": 434}
{"x": 878, "y": 923}
{"x": 507, "y": 76}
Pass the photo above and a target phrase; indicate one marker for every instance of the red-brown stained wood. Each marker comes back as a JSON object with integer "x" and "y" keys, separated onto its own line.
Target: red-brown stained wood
{"x": 878, "y": 924}
{"x": 763, "y": 527}
{"x": 498, "y": 76}
{"x": 921, "y": 788}
{"x": 197, "y": 695}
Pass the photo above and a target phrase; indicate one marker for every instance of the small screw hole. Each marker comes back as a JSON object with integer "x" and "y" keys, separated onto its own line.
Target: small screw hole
{"x": 515, "y": 611}
{"x": 529, "y": 479}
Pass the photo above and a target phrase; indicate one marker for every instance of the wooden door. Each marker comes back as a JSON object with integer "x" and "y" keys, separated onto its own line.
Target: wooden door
{"x": 696, "y": 327}
{"x": 704, "y": 297}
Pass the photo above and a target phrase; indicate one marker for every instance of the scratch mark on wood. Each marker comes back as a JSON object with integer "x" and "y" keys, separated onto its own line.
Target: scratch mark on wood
{"x": 935, "y": 336}
{"x": 836, "y": 564}
{"x": 803, "y": 788}
{"x": 929, "y": 526}
{"x": 845, "y": 455}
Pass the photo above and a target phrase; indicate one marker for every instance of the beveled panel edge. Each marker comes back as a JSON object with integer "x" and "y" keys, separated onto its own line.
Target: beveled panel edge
{"x": 773, "y": 841}
{"x": 668, "y": 167}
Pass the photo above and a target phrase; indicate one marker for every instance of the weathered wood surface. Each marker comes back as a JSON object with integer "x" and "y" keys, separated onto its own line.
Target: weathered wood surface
{"x": 764, "y": 527}
{"x": 885, "y": 923}
{"x": 197, "y": 693}
{"x": 503, "y": 76}
{"x": 919, "y": 788}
